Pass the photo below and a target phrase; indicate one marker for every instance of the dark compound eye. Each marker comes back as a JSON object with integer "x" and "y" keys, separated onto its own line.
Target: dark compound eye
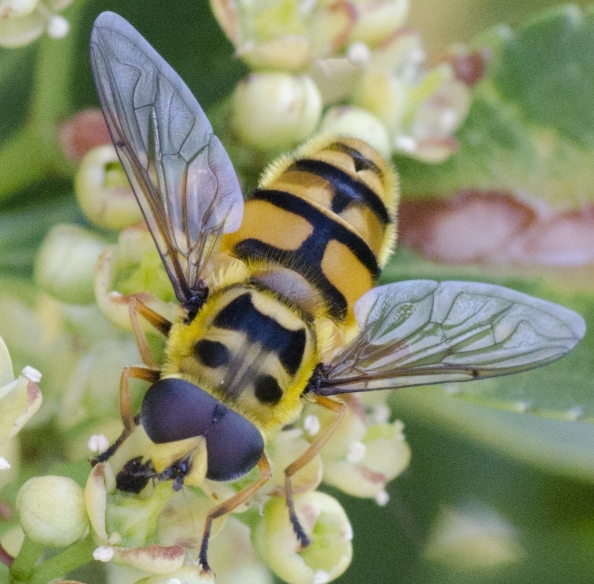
{"x": 211, "y": 353}
{"x": 174, "y": 409}
{"x": 268, "y": 390}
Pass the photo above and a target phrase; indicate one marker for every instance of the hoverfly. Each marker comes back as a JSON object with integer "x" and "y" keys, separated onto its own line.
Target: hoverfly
{"x": 278, "y": 302}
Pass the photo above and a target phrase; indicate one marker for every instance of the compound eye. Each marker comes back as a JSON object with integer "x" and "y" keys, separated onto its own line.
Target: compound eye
{"x": 175, "y": 409}
{"x": 234, "y": 447}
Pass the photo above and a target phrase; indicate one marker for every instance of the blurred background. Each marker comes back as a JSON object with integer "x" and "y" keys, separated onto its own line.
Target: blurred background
{"x": 490, "y": 495}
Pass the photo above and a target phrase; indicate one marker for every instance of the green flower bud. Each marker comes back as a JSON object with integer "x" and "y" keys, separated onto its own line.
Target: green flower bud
{"x": 103, "y": 191}
{"x": 92, "y": 390}
{"x": 324, "y": 520}
{"x": 286, "y": 447}
{"x": 284, "y": 35}
{"x": 65, "y": 264}
{"x": 18, "y": 31}
{"x": 12, "y": 8}
{"x": 234, "y": 558}
{"x": 154, "y": 559}
{"x": 51, "y": 510}
{"x": 6, "y": 374}
{"x": 382, "y": 93}
{"x": 182, "y": 519}
{"x": 358, "y": 123}
{"x": 57, "y": 27}
{"x": 23, "y": 21}
{"x": 133, "y": 266}
{"x": 276, "y": 110}
{"x": 371, "y": 463}
{"x": 472, "y": 537}
{"x": 378, "y": 20}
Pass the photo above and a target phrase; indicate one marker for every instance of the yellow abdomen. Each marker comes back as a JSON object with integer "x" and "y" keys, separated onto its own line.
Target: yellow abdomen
{"x": 320, "y": 226}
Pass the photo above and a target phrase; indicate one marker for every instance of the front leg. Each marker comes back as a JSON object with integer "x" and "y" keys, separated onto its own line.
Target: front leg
{"x": 230, "y": 504}
{"x": 134, "y": 372}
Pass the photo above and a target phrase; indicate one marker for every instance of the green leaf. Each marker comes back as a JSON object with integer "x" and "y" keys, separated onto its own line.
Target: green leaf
{"x": 553, "y": 445}
{"x": 562, "y": 389}
{"x": 531, "y": 124}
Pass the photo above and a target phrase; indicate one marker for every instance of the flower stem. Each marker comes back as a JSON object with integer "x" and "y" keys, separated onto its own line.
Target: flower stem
{"x": 72, "y": 557}
{"x": 23, "y": 565}
{"x": 34, "y": 151}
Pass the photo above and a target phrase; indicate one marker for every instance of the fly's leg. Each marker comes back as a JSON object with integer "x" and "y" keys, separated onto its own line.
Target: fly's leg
{"x": 149, "y": 373}
{"x": 136, "y": 307}
{"x": 134, "y": 372}
{"x": 230, "y": 504}
{"x": 339, "y": 408}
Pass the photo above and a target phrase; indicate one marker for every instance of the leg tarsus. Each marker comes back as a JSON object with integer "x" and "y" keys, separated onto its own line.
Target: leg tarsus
{"x": 228, "y": 506}
{"x": 339, "y": 408}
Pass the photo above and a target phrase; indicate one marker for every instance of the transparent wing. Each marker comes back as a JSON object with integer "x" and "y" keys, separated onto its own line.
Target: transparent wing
{"x": 179, "y": 171}
{"x": 421, "y": 332}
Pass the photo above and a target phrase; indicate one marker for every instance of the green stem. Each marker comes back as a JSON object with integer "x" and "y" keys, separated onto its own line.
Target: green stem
{"x": 71, "y": 558}
{"x": 34, "y": 150}
{"x": 21, "y": 161}
{"x": 24, "y": 564}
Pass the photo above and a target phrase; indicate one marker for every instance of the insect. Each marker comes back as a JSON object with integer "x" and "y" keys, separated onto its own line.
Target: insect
{"x": 278, "y": 304}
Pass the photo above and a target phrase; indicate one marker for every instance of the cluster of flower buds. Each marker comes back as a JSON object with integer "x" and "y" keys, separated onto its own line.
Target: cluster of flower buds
{"x": 350, "y": 67}
{"x": 23, "y": 21}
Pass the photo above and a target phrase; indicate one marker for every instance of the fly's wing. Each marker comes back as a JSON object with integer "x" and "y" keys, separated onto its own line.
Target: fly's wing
{"x": 421, "y": 332}
{"x": 179, "y": 171}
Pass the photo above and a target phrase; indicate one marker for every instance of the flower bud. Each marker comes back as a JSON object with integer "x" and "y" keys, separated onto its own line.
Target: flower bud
{"x": 234, "y": 558}
{"x": 382, "y": 93}
{"x": 365, "y": 471}
{"x": 57, "y": 27}
{"x": 377, "y": 20}
{"x": 51, "y": 510}
{"x": 65, "y": 264}
{"x": 18, "y": 31}
{"x": 284, "y": 449}
{"x": 324, "y": 521}
{"x": 23, "y": 21}
{"x": 82, "y": 132}
{"x": 355, "y": 122}
{"x": 284, "y": 35}
{"x": 276, "y": 110}
{"x": 6, "y": 373}
{"x": 12, "y": 8}
{"x": 472, "y": 537}
{"x": 443, "y": 113}
{"x": 92, "y": 390}
{"x": 133, "y": 266}
{"x": 103, "y": 191}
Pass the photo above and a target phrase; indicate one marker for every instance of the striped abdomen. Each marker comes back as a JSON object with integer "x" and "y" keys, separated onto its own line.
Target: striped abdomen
{"x": 321, "y": 225}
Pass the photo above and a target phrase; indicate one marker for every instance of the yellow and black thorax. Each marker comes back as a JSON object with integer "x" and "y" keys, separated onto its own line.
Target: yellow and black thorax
{"x": 251, "y": 349}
